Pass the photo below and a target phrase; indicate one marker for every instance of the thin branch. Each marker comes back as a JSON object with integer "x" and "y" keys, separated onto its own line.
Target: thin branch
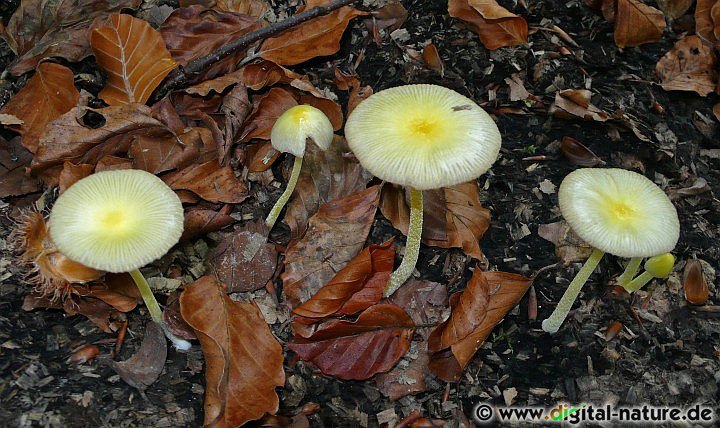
{"x": 181, "y": 76}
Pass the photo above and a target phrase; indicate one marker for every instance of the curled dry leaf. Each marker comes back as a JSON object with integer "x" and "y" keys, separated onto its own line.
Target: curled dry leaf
{"x": 637, "y": 23}
{"x": 351, "y": 82}
{"x": 210, "y": 181}
{"x": 688, "y": 66}
{"x": 496, "y": 26}
{"x": 356, "y": 287}
{"x": 243, "y": 358}
{"x": 157, "y": 154}
{"x": 133, "y": 56}
{"x": 317, "y": 37}
{"x": 389, "y": 17}
{"x": 433, "y": 60}
{"x": 199, "y": 222}
{"x": 577, "y": 154}
{"x": 42, "y": 29}
{"x": 49, "y": 94}
{"x": 244, "y": 260}
{"x": 694, "y": 283}
{"x": 144, "y": 367}
{"x": 707, "y": 24}
{"x": 68, "y": 139}
{"x": 84, "y": 355}
{"x": 335, "y": 234}
{"x": 517, "y": 88}
{"x": 489, "y": 296}
{"x": 568, "y": 246}
{"x": 71, "y": 174}
{"x": 326, "y": 175}
{"x": 575, "y": 103}
{"x": 454, "y": 217}
{"x": 358, "y": 349}
{"x": 14, "y": 158}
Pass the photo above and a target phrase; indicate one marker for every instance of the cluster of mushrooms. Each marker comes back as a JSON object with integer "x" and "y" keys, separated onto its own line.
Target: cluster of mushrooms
{"x": 419, "y": 136}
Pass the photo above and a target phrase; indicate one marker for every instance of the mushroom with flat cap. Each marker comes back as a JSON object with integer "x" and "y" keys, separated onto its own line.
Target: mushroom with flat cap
{"x": 119, "y": 221}
{"x": 618, "y": 212}
{"x": 289, "y": 135}
{"x": 422, "y": 137}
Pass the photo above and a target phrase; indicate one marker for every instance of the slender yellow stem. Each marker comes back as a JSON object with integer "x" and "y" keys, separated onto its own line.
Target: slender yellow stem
{"x": 630, "y": 271}
{"x": 275, "y": 211}
{"x": 553, "y": 323}
{"x": 412, "y": 246}
{"x": 639, "y": 282}
{"x": 154, "y": 309}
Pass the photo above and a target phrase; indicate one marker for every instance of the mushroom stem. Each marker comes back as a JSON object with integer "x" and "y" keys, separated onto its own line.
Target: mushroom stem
{"x": 275, "y": 211}
{"x": 630, "y": 271}
{"x": 412, "y": 246}
{"x": 552, "y": 324}
{"x": 155, "y": 311}
{"x": 639, "y": 282}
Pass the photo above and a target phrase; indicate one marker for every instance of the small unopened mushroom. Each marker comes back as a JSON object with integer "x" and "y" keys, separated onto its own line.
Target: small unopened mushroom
{"x": 422, "y": 137}
{"x": 618, "y": 212}
{"x": 289, "y": 135}
{"x": 119, "y": 221}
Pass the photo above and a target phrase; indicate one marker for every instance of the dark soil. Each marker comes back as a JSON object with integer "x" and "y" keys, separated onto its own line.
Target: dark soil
{"x": 667, "y": 353}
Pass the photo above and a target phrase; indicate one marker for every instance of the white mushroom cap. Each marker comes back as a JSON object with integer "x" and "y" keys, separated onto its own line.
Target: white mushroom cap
{"x": 619, "y": 212}
{"x": 422, "y": 136}
{"x": 292, "y": 129}
{"x": 117, "y": 221}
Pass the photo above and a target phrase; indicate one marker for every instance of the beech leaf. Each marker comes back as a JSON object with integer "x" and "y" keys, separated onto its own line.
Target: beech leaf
{"x": 244, "y": 361}
{"x": 317, "y": 37}
{"x": 335, "y": 235}
{"x": 575, "y": 103}
{"x": 210, "y": 181}
{"x": 488, "y": 297}
{"x": 637, "y": 23}
{"x": 358, "y": 349}
{"x": 144, "y": 367}
{"x": 688, "y": 66}
{"x": 49, "y": 94}
{"x": 496, "y": 26}
{"x": 134, "y": 57}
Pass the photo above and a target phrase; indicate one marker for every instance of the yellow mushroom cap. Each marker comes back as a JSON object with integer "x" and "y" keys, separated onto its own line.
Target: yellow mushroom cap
{"x": 117, "y": 221}
{"x": 292, "y": 129}
{"x": 619, "y": 212}
{"x": 422, "y": 136}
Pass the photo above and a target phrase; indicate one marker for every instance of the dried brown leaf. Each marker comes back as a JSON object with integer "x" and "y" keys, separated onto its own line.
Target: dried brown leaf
{"x": 41, "y": 29}
{"x": 577, "y": 153}
{"x": 489, "y": 296}
{"x": 674, "y": 9}
{"x": 14, "y": 158}
{"x": 575, "y": 103}
{"x": 317, "y": 37}
{"x": 144, "y": 367}
{"x": 706, "y": 24}
{"x": 335, "y": 234}
{"x": 210, "y": 181}
{"x": 133, "y": 56}
{"x": 637, "y": 23}
{"x": 199, "y": 222}
{"x": 243, "y": 358}
{"x": 688, "y": 66}
{"x": 496, "y": 26}
{"x": 694, "y": 283}
{"x": 358, "y": 349}
{"x": 49, "y": 94}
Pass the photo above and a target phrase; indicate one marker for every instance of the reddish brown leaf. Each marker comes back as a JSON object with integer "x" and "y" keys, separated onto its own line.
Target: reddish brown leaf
{"x": 193, "y": 32}
{"x": 113, "y": 163}
{"x": 433, "y": 60}
{"x": 261, "y": 156}
{"x": 199, "y": 222}
{"x": 174, "y": 320}
{"x": 575, "y": 103}
{"x": 351, "y": 82}
{"x": 389, "y": 17}
{"x": 577, "y": 153}
{"x": 46, "y": 96}
{"x": 325, "y": 176}
{"x": 267, "y": 108}
{"x": 694, "y": 283}
{"x": 706, "y": 23}
{"x": 67, "y": 139}
{"x": 158, "y": 154}
{"x": 243, "y": 358}
{"x": 133, "y": 56}
{"x": 119, "y": 291}
{"x": 358, "y": 349}
{"x": 244, "y": 260}
{"x": 14, "y": 158}
{"x": 210, "y": 181}
{"x": 356, "y": 287}
{"x": 489, "y": 296}
{"x": 637, "y": 23}
{"x": 688, "y": 66}
{"x": 41, "y": 29}
{"x": 317, "y": 37}
{"x": 85, "y": 354}
{"x": 335, "y": 234}
{"x": 496, "y": 26}
{"x": 674, "y": 9}
{"x": 70, "y": 174}
{"x": 144, "y": 367}
{"x": 453, "y": 216}
{"x": 256, "y": 8}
